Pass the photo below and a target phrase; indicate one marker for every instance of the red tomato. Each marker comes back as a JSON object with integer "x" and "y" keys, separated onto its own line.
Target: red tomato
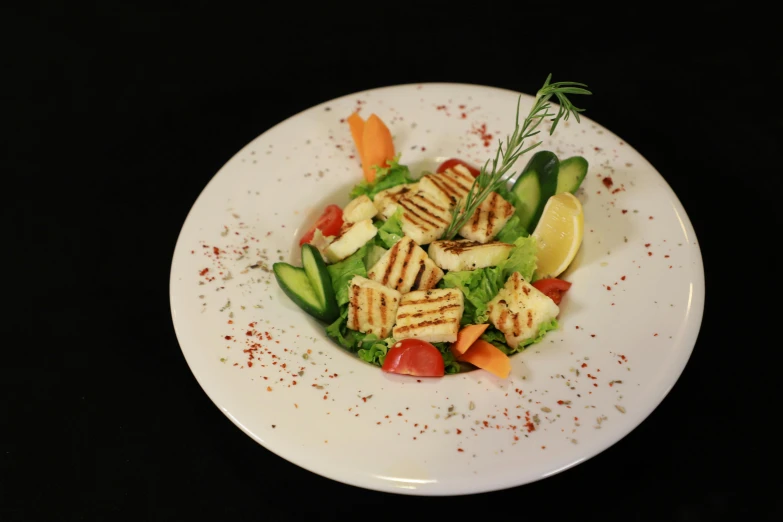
{"x": 414, "y": 357}
{"x": 553, "y": 288}
{"x": 330, "y": 223}
{"x": 453, "y": 161}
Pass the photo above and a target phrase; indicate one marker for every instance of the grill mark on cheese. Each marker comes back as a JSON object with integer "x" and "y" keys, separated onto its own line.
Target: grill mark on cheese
{"x": 423, "y": 301}
{"x": 430, "y": 312}
{"x": 392, "y": 258}
{"x": 369, "y": 304}
{"x": 491, "y": 214}
{"x": 515, "y": 279}
{"x": 425, "y": 324}
{"x": 444, "y": 187}
{"x": 517, "y": 325}
{"x": 529, "y": 319}
{"x": 409, "y": 202}
{"x": 422, "y": 222}
{"x": 406, "y": 261}
{"x": 383, "y": 309}
{"x": 419, "y": 274}
{"x": 355, "y": 304}
{"x": 503, "y": 316}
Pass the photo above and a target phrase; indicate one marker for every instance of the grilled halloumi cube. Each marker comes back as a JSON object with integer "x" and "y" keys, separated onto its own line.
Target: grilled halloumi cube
{"x": 492, "y": 215}
{"x": 519, "y": 309}
{"x": 385, "y": 201}
{"x": 352, "y": 238}
{"x": 359, "y": 209}
{"x": 449, "y": 187}
{"x": 424, "y": 219}
{"x": 430, "y": 315}
{"x": 464, "y": 254}
{"x": 405, "y": 267}
{"x": 372, "y": 308}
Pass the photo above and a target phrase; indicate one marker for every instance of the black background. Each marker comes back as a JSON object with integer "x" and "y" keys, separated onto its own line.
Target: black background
{"x": 117, "y": 115}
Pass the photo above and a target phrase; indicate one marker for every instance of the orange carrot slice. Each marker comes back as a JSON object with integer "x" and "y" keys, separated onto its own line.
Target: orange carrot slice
{"x": 466, "y": 337}
{"x": 487, "y": 357}
{"x": 356, "y": 123}
{"x": 377, "y": 146}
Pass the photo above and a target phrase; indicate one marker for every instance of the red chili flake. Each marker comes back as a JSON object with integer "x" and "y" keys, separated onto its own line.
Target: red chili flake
{"x": 530, "y": 426}
{"x": 486, "y": 424}
{"x": 294, "y": 383}
{"x": 576, "y": 419}
{"x": 249, "y": 333}
{"x": 460, "y": 450}
{"x": 192, "y": 251}
{"x": 216, "y": 251}
{"x": 516, "y": 438}
{"x": 459, "y": 431}
{"x": 282, "y": 365}
{"x": 647, "y": 245}
{"x": 268, "y": 388}
{"x": 607, "y": 181}
{"x": 324, "y": 397}
{"x": 625, "y": 211}
{"x": 609, "y": 288}
{"x": 228, "y": 338}
{"x": 623, "y": 357}
{"x": 597, "y": 148}
{"x": 464, "y": 116}
{"x": 649, "y": 254}
{"x": 441, "y": 107}
{"x": 666, "y": 256}
{"x": 592, "y": 335}
{"x": 655, "y": 335}
{"x": 203, "y": 272}
{"x": 423, "y": 149}
{"x": 651, "y": 217}
{"x": 622, "y": 278}
{"x": 560, "y": 402}
{"x": 584, "y": 365}
{"x": 462, "y": 106}
{"x": 399, "y": 414}
{"x": 595, "y": 384}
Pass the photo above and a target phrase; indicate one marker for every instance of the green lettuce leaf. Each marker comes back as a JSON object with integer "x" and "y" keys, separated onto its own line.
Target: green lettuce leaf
{"x": 450, "y": 363}
{"x": 512, "y": 231}
{"x": 342, "y": 273}
{"x": 390, "y": 231}
{"x": 522, "y": 259}
{"x": 385, "y": 178}
{"x": 368, "y": 347}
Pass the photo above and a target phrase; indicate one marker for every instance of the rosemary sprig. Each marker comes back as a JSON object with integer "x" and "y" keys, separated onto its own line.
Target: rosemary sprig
{"x": 491, "y": 179}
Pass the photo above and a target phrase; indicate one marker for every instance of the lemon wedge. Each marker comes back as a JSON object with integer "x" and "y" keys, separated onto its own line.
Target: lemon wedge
{"x": 559, "y": 234}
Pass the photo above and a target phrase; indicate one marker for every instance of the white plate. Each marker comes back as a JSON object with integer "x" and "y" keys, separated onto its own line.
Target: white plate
{"x": 632, "y": 314}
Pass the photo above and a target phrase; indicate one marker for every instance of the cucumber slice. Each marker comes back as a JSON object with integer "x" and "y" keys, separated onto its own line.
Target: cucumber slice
{"x": 572, "y": 172}
{"x": 296, "y": 285}
{"x": 320, "y": 281}
{"x": 535, "y": 186}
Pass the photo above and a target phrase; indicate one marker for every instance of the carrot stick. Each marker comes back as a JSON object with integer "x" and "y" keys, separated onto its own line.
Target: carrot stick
{"x": 488, "y": 357}
{"x": 466, "y": 337}
{"x": 356, "y": 123}
{"x": 377, "y": 146}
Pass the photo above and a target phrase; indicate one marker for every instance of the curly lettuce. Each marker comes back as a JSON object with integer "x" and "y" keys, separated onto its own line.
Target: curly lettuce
{"x": 390, "y": 231}
{"x": 341, "y": 273}
{"x": 385, "y": 178}
{"x": 495, "y": 337}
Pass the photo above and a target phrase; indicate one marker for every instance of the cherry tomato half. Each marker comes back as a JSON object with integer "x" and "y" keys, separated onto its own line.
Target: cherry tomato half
{"x": 414, "y": 357}
{"x": 553, "y": 288}
{"x": 330, "y": 223}
{"x": 453, "y": 161}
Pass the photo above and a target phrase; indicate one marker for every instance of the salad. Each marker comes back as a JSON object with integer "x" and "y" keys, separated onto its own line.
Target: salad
{"x": 435, "y": 273}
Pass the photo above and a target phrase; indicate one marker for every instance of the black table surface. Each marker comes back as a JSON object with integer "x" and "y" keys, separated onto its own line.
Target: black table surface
{"x": 117, "y": 115}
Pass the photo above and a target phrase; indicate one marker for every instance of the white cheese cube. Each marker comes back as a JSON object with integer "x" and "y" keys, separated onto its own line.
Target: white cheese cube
{"x": 359, "y": 209}
{"x": 464, "y": 254}
{"x": 372, "y": 307}
{"x": 352, "y": 238}
{"x": 430, "y": 315}
{"x": 385, "y": 201}
{"x": 520, "y": 309}
{"x": 405, "y": 267}
{"x": 424, "y": 219}
{"x": 491, "y": 216}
